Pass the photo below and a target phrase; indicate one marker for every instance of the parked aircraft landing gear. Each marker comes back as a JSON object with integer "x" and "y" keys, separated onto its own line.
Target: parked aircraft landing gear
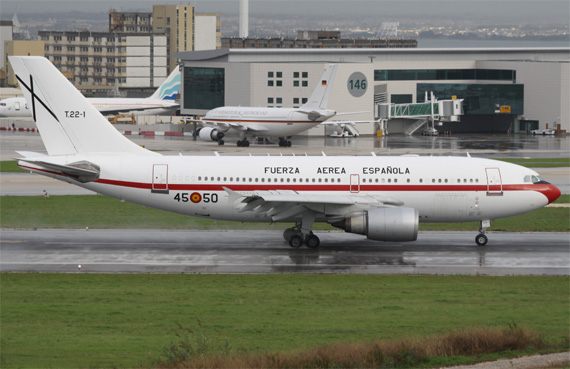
{"x": 221, "y": 142}
{"x": 243, "y": 143}
{"x": 481, "y": 239}
{"x": 283, "y": 142}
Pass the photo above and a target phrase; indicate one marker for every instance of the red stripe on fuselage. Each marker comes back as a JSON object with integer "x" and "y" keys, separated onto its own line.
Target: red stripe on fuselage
{"x": 333, "y": 187}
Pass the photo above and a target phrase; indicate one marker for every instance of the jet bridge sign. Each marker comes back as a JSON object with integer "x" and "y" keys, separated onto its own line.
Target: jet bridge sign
{"x": 357, "y": 84}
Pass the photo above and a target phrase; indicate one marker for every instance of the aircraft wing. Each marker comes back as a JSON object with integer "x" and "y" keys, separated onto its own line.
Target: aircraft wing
{"x": 224, "y": 126}
{"x": 109, "y": 111}
{"x": 285, "y": 204}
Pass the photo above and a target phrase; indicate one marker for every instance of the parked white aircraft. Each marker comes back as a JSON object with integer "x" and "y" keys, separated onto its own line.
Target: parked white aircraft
{"x": 271, "y": 122}
{"x": 161, "y": 102}
{"x": 383, "y": 198}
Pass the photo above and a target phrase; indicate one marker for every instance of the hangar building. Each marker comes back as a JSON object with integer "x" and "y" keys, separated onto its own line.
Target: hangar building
{"x": 532, "y": 83}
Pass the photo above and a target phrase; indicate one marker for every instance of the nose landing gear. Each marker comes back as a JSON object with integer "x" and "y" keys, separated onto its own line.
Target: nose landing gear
{"x": 481, "y": 238}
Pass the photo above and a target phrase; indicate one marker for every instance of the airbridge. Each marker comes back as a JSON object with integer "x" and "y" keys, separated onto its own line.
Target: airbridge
{"x": 420, "y": 114}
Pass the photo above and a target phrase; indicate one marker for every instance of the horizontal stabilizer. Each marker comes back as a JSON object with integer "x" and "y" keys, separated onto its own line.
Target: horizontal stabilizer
{"x": 81, "y": 171}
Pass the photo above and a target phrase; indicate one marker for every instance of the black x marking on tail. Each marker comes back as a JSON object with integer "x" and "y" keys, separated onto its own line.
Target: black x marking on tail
{"x": 35, "y": 97}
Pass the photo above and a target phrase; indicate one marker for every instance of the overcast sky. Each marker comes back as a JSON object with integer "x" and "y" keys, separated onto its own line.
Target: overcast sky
{"x": 542, "y": 11}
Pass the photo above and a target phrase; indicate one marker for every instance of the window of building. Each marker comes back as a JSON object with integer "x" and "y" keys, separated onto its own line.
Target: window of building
{"x": 401, "y": 99}
{"x": 279, "y": 100}
{"x": 269, "y": 74}
{"x": 279, "y": 83}
{"x": 305, "y": 83}
{"x": 295, "y": 74}
{"x": 279, "y": 74}
{"x": 305, "y": 74}
{"x": 295, "y": 83}
{"x": 304, "y": 100}
{"x": 478, "y": 98}
{"x": 270, "y": 100}
{"x": 71, "y": 48}
{"x": 295, "y": 100}
{"x": 444, "y": 74}
{"x": 203, "y": 88}
{"x": 270, "y": 83}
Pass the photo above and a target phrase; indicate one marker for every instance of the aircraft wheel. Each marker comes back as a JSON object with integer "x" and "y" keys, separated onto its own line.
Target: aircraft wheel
{"x": 288, "y": 144}
{"x": 312, "y": 241}
{"x": 481, "y": 239}
{"x": 221, "y": 142}
{"x": 296, "y": 241}
{"x": 246, "y": 143}
{"x": 239, "y": 143}
{"x": 288, "y": 233}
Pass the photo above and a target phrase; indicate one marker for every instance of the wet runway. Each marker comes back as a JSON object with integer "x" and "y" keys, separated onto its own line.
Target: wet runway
{"x": 155, "y": 251}
{"x": 490, "y": 145}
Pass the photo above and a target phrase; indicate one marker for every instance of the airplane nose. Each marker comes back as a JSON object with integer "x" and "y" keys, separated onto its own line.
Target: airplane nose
{"x": 550, "y": 191}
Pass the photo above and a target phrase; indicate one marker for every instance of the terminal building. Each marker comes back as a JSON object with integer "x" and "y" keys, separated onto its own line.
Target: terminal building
{"x": 512, "y": 89}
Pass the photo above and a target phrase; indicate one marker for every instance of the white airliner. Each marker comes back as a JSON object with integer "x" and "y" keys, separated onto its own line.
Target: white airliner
{"x": 383, "y": 198}
{"x": 161, "y": 102}
{"x": 272, "y": 122}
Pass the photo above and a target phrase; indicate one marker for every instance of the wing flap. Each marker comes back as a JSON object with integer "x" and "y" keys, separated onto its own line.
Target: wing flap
{"x": 287, "y": 204}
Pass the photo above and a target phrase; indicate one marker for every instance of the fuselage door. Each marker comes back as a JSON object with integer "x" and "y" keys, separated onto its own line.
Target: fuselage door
{"x": 17, "y": 106}
{"x": 159, "y": 178}
{"x": 354, "y": 183}
{"x": 290, "y": 118}
{"x": 494, "y": 183}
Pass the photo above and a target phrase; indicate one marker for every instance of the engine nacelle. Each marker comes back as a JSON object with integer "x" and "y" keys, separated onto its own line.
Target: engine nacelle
{"x": 210, "y": 134}
{"x": 383, "y": 224}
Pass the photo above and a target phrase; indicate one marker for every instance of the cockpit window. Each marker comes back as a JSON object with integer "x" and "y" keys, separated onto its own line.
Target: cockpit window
{"x": 2, "y": 104}
{"x": 534, "y": 179}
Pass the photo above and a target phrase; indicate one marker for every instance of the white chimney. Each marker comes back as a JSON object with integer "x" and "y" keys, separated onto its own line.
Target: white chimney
{"x": 243, "y": 18}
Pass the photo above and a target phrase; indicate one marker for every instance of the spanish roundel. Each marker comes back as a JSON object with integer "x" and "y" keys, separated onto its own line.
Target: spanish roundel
{"x": 195, "y": 197}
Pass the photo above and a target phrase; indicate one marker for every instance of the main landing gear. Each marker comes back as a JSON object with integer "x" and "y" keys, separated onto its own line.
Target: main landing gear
{"x": 481, "y": 239}
{"x": 284, "y": 142}
{"x": 296, "y": 238}
{"x": 302, "y": 234}
{"x": 243, "y": 143}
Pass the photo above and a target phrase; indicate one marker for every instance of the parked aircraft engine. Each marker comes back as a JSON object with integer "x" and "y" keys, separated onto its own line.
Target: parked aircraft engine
{"x": 383, "y": 224}
{"x": 210, "y": 134}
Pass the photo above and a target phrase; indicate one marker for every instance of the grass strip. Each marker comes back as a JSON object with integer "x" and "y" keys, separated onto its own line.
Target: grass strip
{"x": 94, "y": 320}
{"x": 539, "y": 163}
{"x": 10, "y": 166}
{"x": 455, "y": 348}
{"x": 563, "y": 199}
{"x": 80, "y": 211}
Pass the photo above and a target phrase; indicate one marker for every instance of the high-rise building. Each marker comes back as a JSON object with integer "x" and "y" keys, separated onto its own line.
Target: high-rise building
{"x": 97, "y": 61}
{"x": 185, "y": 30}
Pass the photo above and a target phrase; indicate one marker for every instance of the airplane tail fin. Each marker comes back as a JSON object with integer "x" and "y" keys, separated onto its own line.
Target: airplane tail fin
{"x": 67, "y": 122}
{"x": 168, "y": 90}
{"x": 320, "y": 97}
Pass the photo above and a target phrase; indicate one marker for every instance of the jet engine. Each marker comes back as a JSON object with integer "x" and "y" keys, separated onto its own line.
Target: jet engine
{"x": 383, "y": 224}
{"x": 210, "y": 134}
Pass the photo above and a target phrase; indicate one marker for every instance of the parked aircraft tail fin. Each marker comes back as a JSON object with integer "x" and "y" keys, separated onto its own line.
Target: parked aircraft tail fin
{"x": 67, "y": 122}
{"x": 320, "y": 97}
{"x": 169, "y": 89}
